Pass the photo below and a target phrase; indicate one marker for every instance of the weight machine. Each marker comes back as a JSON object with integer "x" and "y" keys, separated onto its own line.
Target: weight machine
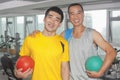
{"x": 9, "y": 47}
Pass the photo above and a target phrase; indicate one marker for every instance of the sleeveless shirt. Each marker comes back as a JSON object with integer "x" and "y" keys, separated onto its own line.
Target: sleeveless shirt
{"x": 80, "y": 49}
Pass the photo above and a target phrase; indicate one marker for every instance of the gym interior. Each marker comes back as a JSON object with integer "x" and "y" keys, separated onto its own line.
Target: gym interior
{"x": 19, "y": 18}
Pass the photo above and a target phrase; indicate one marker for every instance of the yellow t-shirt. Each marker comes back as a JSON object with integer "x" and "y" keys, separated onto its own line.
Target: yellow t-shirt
{"x": 48, "y": 54}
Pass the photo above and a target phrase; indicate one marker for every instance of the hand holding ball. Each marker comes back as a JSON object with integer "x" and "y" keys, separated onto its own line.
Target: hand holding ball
{"x": 93, "y": 63}
{"x": 25, "y": 62}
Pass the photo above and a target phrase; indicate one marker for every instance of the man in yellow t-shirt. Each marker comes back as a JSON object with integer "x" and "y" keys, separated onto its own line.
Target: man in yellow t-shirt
{"x": 48, "y": 50}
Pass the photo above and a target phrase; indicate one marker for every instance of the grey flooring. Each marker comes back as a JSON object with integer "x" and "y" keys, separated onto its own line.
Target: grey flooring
{"x": 5, "y": 77}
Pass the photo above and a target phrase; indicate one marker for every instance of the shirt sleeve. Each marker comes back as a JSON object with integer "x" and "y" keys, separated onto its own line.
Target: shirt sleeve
{"x": 65, "y": 55}
{"x": 25, "y": 47}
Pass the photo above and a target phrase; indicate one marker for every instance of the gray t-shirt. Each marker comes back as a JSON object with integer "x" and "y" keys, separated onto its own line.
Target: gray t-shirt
{"x": 80, "y": 50}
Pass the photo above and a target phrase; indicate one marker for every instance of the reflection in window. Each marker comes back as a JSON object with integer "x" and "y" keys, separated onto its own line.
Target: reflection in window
{"x": 3, "y": 26}
{"x": 96, "y": 19}
{"x": 20, "y": 27}
{"x": 115, "y": 13}
{"x": 115, "y": 27}
{"x": 29, "y": 24}
{"x": 10, "y": 26}
{"x": 40, "y": 21}
{"x": 2, "y": 29}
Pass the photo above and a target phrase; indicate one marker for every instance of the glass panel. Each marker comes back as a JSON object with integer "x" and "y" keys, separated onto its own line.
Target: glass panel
{"x": 116, "y": 13}
{"x": 2, "y": 29}
{"x": 20, "y": 27}
{"x": 29, "y": 24}
{"x": 40, "y": 22}
{"x": 3, "y": 26}
{"x": 96, "y": 19}
{"x": 10, "y": 27}
{"x": 115, "y": 29}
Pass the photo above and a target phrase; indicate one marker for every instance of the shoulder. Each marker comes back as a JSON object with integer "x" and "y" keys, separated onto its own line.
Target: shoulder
{"x": 35, "y": 35}
{"x": 97, "y": 36}
{"x": 90, "y": 29}
{"x": 93, "y": 31}
{"x": 96, "y": 33}
{"x": 29, "y": 38}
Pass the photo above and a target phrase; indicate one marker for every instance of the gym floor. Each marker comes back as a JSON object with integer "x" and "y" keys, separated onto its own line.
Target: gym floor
{"x": 5, "y": 77}
{"x": 2, "y": 77}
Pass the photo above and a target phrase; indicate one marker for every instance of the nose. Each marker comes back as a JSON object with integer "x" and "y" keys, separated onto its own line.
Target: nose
{"x": 52, "y": 20}
{"x": 76, "y": 16}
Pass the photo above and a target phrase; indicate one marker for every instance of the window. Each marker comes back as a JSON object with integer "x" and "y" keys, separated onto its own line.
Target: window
{"x": 40, "y": 24}
{"x": 96, "y": 19}
{"x": 30, "y": 25}
{"x": 116, "y": 13}
{"x": 3, "y": 26}
{"x": 115, "y": 30}
{"x": 20, "y": 27}
{"x": 115, "y": 27}
{"x": 10, "y": 26}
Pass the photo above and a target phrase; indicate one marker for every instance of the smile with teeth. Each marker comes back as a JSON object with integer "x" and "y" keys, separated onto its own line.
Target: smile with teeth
{"x": 76, "y": 20}
{"x": 50, "y": 25}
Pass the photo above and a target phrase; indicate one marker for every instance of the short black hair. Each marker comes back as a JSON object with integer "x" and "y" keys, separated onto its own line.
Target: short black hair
{"x": 75, "y": 4}
{"x": 55, "y": 9}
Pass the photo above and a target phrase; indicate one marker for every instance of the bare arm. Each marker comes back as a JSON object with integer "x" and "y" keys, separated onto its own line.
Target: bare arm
{"x": 109, "y": 50}
{"x": 65, "y": 71}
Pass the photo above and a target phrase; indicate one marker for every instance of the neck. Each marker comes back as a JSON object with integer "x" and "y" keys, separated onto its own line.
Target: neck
{"x": 46, "y": 33}
{"x": 78, "y": 29}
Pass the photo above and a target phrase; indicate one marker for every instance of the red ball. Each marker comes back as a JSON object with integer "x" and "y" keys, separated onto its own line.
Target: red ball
{"x": 25, "y": 62}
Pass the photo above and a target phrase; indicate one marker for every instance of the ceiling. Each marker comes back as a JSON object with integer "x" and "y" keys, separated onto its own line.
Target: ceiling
{"x": 22, "y": 7}
{"x": 2, "y": 1}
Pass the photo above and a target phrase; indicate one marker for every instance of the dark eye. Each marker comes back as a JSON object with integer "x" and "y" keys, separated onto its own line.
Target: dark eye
{"x": 79, "y": 12}
{"x": 57, "y": 20}
{"x": 49, "y": 16}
